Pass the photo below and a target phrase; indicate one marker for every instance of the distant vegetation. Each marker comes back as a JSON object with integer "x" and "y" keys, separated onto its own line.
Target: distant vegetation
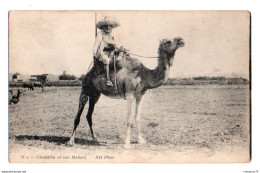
{"x": 64, "y": 83}
{"x": 51, "y": 83}
{"x": 81, "y": 77}
{"x": 67, "y": 77}
{"x": 205, "y": 80}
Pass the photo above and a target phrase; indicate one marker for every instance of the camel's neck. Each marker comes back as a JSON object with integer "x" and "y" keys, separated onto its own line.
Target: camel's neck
{"x": 160, "y": 74}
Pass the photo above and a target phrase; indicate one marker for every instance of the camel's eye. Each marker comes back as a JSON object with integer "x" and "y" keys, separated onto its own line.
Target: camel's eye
{"x": 167, "y": 43}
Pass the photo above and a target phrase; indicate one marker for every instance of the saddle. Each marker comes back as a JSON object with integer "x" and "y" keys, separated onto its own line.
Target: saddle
{"x": 114, "y": 64}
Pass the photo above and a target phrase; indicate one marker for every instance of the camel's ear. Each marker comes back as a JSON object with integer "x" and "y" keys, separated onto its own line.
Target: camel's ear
{"x": 161, "y": 41}
{"x": 164, "y": 40}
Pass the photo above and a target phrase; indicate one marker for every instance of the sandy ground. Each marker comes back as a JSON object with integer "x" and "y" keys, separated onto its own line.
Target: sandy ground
{"x": 181, "y": 124}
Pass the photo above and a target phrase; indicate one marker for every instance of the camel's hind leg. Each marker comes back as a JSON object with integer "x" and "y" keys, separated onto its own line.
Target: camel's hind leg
{"x": 95, "y": 95}
{"x": 82, "y": 101}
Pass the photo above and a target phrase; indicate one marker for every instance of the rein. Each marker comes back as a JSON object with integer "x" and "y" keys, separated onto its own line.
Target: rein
{"x": 127, "y": 51}
{"x": 142, "y": 56}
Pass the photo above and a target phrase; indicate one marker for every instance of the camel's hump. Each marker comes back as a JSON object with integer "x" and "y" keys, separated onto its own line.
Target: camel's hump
{"x": 130, "y": 63}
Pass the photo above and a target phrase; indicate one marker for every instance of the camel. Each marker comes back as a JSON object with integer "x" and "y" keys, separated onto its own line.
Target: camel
{"x": 30, "y": 86}
{"x": 132, "y": 81}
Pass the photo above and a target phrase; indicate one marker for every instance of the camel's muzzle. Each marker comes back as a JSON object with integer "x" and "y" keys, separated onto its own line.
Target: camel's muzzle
{"x": 181, "y": 43}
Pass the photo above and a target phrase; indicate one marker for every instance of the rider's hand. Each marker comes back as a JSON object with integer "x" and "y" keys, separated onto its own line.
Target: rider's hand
{"x": 121, "y": 49}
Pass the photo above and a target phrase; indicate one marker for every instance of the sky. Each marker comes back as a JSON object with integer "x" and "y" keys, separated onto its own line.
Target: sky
{"x": 216, "y": 42}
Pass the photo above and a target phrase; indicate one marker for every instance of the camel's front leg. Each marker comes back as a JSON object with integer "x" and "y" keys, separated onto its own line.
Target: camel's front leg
{"x": 130, "y": 107}
{"x": 139, "y": 100}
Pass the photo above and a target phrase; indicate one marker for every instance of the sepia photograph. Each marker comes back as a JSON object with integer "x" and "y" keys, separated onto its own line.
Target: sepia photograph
{"x": 106, "y": 86}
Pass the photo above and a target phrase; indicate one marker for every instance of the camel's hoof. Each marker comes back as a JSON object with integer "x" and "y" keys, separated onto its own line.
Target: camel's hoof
{"x": 71, "y": 142}
{"x": 141, "y": 141}
{"x": 95, "y": 139}
{"x": 127, "y": 146}
{"x": 127, "y": 143}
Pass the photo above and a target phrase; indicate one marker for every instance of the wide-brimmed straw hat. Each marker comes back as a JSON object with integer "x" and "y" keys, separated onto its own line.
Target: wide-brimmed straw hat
{"x": 108, "y": 21}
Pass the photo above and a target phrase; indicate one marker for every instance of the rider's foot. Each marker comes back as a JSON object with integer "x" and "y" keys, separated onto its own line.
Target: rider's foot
{"x": 109, "y": 83}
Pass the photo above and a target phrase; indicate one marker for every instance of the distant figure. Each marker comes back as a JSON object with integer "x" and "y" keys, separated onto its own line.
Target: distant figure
{"x": 15, "y": 98}
{"x": 10, "y": 95}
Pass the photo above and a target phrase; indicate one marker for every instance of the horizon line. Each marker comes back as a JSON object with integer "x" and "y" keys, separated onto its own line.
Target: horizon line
{"x": 180, "y": 76}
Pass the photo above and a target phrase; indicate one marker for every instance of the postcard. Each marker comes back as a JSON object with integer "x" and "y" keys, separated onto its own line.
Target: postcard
{"x": 129, "y": 87}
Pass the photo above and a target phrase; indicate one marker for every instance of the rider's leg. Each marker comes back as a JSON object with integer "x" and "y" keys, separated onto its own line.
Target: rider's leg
{"x": 105, "y": 59}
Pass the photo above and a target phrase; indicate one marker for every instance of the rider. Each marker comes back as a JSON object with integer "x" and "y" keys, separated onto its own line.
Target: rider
{"x": 105, "y": 44}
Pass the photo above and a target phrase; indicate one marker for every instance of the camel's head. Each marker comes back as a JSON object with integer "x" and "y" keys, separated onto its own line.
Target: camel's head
{"x": 169, "y": 46}
{"x": 20, "y": 91}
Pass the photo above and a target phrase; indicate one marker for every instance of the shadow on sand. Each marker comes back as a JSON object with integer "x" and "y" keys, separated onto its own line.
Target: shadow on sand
{"x": 59, "y": 140}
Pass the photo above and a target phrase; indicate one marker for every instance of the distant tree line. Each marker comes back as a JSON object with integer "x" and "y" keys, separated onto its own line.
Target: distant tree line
{"x": 204, "y": 80}
{"x": 70, "y": 77}
{"x": 67, "y": 77}
{"x": 209, "y": 78}
{"x": 82, "y": 77}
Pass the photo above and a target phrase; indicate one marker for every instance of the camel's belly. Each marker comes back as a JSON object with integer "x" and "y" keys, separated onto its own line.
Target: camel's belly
{"x": 114, "y": 91}
{"x": 114, "y": 96}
